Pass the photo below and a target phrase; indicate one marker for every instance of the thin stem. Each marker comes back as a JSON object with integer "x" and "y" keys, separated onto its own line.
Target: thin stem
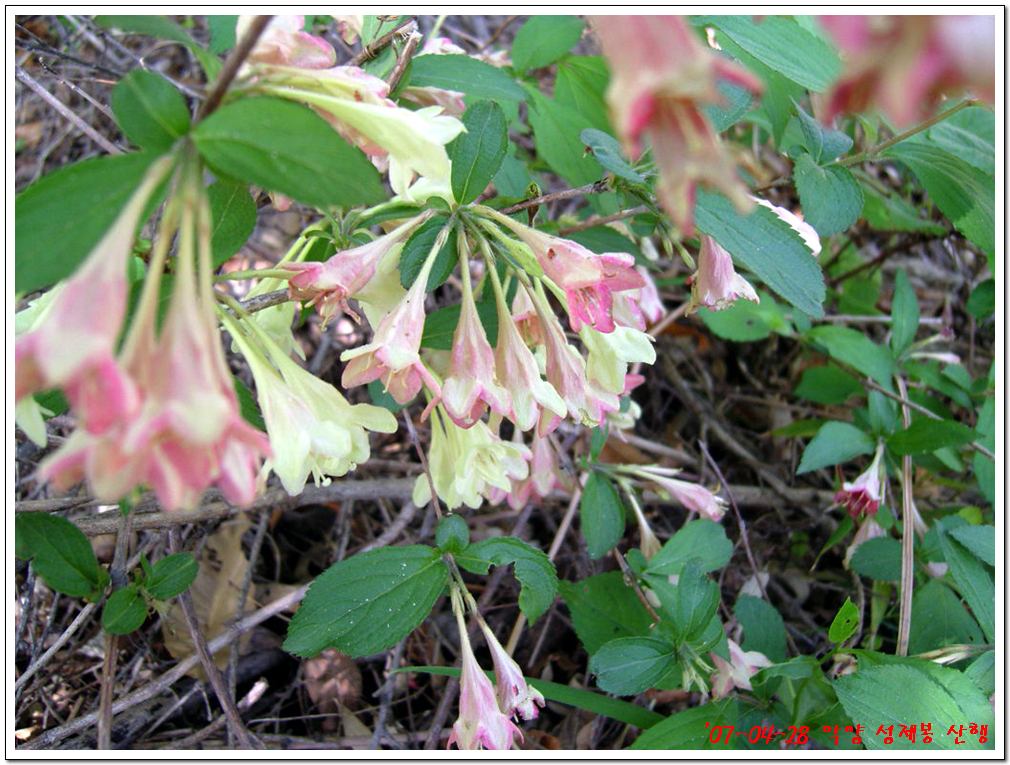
{"x": 256, "y": 273}
{"x": 374, "y": 47}
{"x": 597, "y": 187}
{"x": 874, "y": 150}
{"x": 230, "y": 69}
{"x": 601, "y": 220}
{"x": 632, "y": 580}
{"x": 907, "y": 530}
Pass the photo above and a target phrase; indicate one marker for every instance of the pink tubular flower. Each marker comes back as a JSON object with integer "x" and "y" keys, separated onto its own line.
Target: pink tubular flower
{"x": 716, "y": 284}
{"x": 471, "y": 385}
{"x": 867, "y": 491}
{"x": 737, "y": 672}
{"x": 544, "y": 476}
{"x": 327, "y": 285}
{"x": 393, "y": 354}
{"x": 662, "y": 77}
{"x": 903, "y": 64}
{"x": 283, "y": 42}
{"x": 481, "y": 724}
{"x": 515, "y": 696}
{"x": 691, "y": 495}
{"x": 72, "y": 346}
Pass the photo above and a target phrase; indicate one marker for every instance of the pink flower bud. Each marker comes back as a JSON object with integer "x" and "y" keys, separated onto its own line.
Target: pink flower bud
{"x": 716, "y": 284}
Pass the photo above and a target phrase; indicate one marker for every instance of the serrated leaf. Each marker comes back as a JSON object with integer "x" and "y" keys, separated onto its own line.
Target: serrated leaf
{"x": 927, "y": 435}
{"x": 59, "y": 553}
{"x": 844, "y": 623}
{"x": 827, "y": 385}
{"x": 895, "y": 214}
{"x": 852, "y": 347}
{"x": 580, "y": 85}
{"x": 57, "y": 221}
{"x": 763, "y": 628}
{"x": 784, "y": 46}
{"x": 767, "y": 246}
{"x": 544, "y": 39}
{"x": 151, "y": 113}
{"x": 832, "y": 199}
{"x": 702, "y": 539}
{"x": 440, "y": 325}
{"x": 607, "y": 151}
{"x": 286, "y": 147}
{"x": 602, "y": 515}
{"x": 688, "y": 730}
{"x": 972, "y": 579}
{"x": 557, "y": 132}
{"x": 904, "y": 314}
{"x": 737, "y": 101}
{"x": 982, "y": 672}
{"x": 416, "y": 251}
{"x": 124, "y": 611}
{"x": 824, "y": 143}
{"x": 835, "y": 443}
{"x": 478, "y": 153}
{"x": 878, "y": 558}
{"x": 603, "y": 608}
{"x": 171, "y": 575}
{"x": 464, "y": 74}
{"x": 533, "y": 569}
{"x": 365, "y": 604}
{"x": 233, "y": 218}
{"x": 965, "y": 194}
{"x": 631, "y": 665}
{"x": 893, "y": 695}
{"x": 689, "y": 604}
{"x": 969, "y": 134}
{"x": 940, "y": 619}
{"x": 980, "y": 540}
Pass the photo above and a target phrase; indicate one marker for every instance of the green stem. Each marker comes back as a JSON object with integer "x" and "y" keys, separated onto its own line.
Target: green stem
{"x": 871, "y": 153}
{"x": 256, "y": 273}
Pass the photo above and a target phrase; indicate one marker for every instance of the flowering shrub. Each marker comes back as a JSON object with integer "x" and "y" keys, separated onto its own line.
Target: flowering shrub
{"x": 424, "y": 170}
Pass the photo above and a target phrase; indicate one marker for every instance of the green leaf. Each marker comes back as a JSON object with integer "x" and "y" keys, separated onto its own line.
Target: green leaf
{"x": 691, "y": 603}
{"x": 827, "y": 385}
{"x": 452, "y": 534}
{"x": 927, "y": 435}
{"x": 478, "y": 153}
{"x": 888, "y": 213}
{"x": 222, "y": 33}
{"x": 831, "y": 198}
{"x": 416, "y": 251}
{"x": 162, "y": 28}
{"x": 603, "y": 608}
{"x": 464, "y": 74}
{"x": 982, "y": 301}
{"x": 835, "y": 443}
{"x": 985, "y": 468}
{"x": 982, "y": 672}
{"x": 737, "y": 102}
{"x": 904, "y": 314}
{"x": 602, "y": 514}
{"x": 150, "y": 112}
{"x": 233, "y": 214}
{"x": 767, "y": 246}
{"x": 940, "y": 619}
{"x": 286, "y": 147}
{"x": 763, "y": 628}
{"x": 440, "y": 325}
{"x": 557, "y": 130}
{"x": 969, "y": 134}
{"x": 972, "y": 578}
{"x": 893, "y": 695}
{"x": 607, "y": 151}
{"x": 878, "y": 558}
{"x": 824, "y": 144}
{"x": 702, "y": 539}
{"x": 631, "y": 665}
{"x": 981, "y": 540}
{"x": 693, "y": 728}
{"x": 844, "y": 623}
{"x": 365, "y": 604}
{"x": 591, "y": 701}
{"x": 124, "y": 611}
{"x": 171, "y": 575}
{"x": 965, "y": 194}
{"x": 745, "y": 321}
{"x": 59, "y": 553}
{"x": 512, "y": 179}
{"x": 248, "y": 406}
{"x": 533, "y": 569}
{"x": 57, "y": 221}
{"x": 544, "y": 39}
{"x": 852, "y": 347}
{"x": 580, "y": 85}
{"x": 784, "y": 46}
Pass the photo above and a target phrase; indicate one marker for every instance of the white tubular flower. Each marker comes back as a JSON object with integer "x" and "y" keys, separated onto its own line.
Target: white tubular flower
{"x": 611, "y": 352}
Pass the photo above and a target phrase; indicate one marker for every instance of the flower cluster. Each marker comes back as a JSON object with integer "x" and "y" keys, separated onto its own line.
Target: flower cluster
{"x": 486, "y": 711}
